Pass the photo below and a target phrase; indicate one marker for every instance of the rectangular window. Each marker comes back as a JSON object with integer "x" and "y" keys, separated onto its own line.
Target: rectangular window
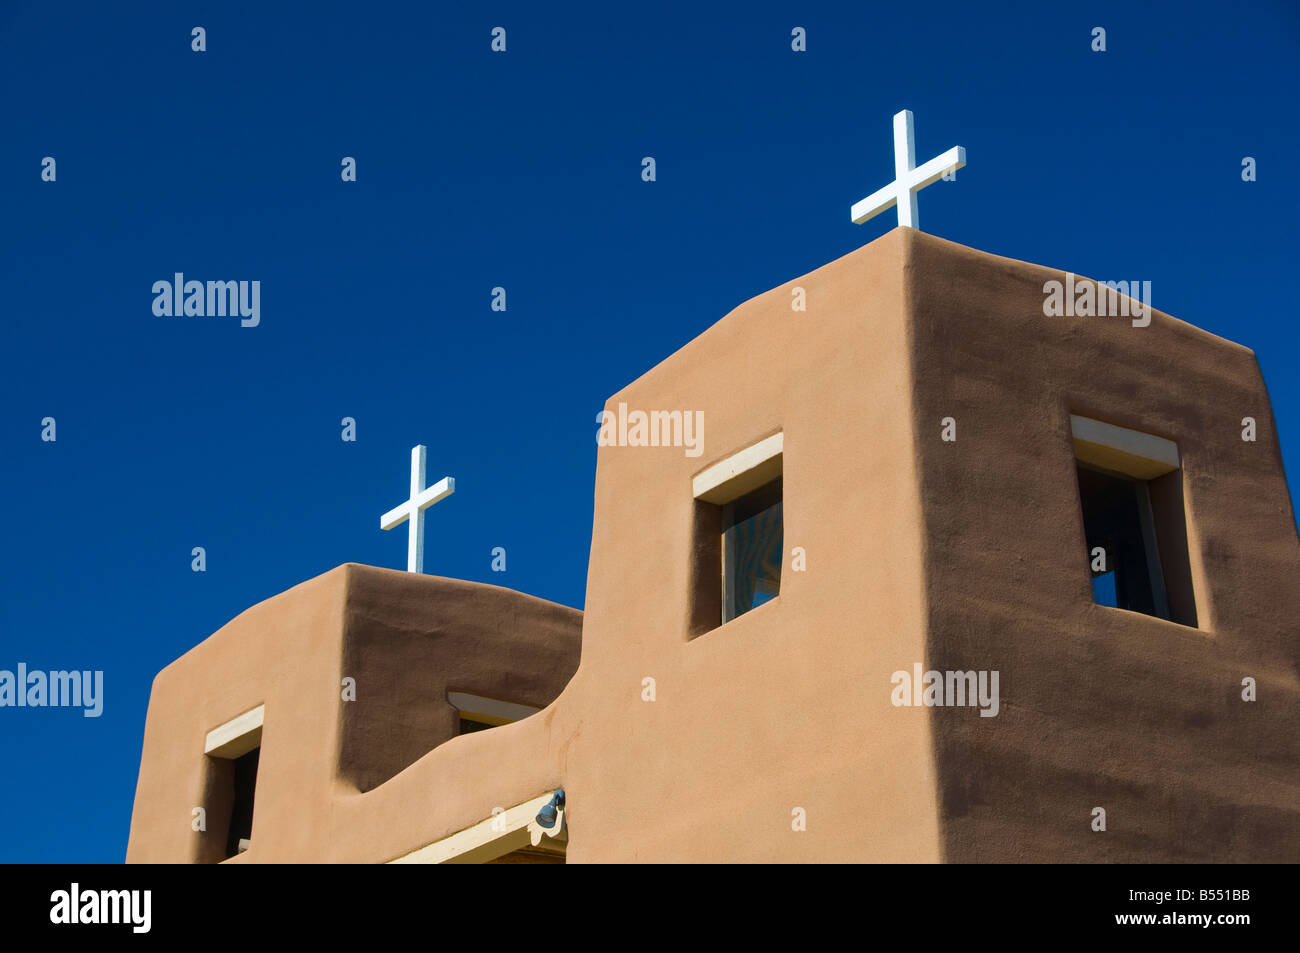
{"x": 232, "y": 750}
{"x": 478, "y": 712}
{"x": 751, "y": 550}
{"x": 1130, "y": 492}
{"x": 239, "y": 835}
{"x": 738, "y": 536}
{"x": 1124, "y": 559}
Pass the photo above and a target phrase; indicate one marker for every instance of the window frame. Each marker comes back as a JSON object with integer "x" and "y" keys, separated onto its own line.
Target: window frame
{"x": 715, "y": 489}
{"x": 229, "y": 742}
{"x": 1144, "y": 459}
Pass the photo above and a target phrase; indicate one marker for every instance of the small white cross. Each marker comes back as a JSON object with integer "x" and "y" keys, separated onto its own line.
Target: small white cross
{"x": 907, "y": 178}
{"x": 422, "y": 498}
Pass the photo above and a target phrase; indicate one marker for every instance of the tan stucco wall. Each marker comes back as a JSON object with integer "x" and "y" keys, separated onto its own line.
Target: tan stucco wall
{"x": 1100, "y": 707}
{"x": 965, "y": 555}
{"x": 780, "y": 708}
{"x": 406, "y": 640}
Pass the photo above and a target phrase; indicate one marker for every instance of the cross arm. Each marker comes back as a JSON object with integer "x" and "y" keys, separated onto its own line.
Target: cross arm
{"x": 396, "y": 516}
{"x": 439, "y": 491}
{"x": 932, "y": 171}
{"x": 881, "y": 200}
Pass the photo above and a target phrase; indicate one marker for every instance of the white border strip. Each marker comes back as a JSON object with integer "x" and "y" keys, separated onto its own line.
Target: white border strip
{"x": 488, "y": 839}
{"x": 736, "y": 464}
{"x": 469, "y": 705}
{"x": 1134, "y": 442}
{"x": 236, "y": 737}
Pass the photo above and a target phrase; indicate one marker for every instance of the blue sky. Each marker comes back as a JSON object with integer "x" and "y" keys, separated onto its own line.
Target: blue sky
{"x": 519, "y": 170}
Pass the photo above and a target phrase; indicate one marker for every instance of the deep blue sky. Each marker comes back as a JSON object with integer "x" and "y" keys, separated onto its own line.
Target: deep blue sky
{"x": 522, "y": 170}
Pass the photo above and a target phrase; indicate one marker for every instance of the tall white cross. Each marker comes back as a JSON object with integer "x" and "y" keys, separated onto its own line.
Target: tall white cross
{"x": 907, "y": 178}
{"x": 422, "y": 498}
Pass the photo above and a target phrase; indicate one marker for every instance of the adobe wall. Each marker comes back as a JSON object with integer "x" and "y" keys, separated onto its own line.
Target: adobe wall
{"x": 782, "y": 707}
{"x": 1100, "y": 707}
{"x": 965, "y": 555}
{"x": 406, "y": 640}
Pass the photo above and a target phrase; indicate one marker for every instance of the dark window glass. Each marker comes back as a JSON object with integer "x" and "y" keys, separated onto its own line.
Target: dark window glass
{"x": 241, "y": 815}
{"x": 752, "y": 538}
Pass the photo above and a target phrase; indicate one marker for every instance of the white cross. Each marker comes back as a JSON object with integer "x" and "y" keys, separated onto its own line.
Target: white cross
{"x": 422, "y": 498}
{"x": 907, "y": 178}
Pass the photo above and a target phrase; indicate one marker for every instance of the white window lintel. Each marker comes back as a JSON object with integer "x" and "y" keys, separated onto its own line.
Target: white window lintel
{"x": 236, "y": 737}
{"x": 1131, "y": 452}
{"x": 741, "y": 472}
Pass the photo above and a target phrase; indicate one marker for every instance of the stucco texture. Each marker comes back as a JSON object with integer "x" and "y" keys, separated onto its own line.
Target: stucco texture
{"x": 961, "y": 555}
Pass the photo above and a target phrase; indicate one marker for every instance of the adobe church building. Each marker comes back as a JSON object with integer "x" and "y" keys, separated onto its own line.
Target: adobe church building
{"x": 920, "y": 472}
